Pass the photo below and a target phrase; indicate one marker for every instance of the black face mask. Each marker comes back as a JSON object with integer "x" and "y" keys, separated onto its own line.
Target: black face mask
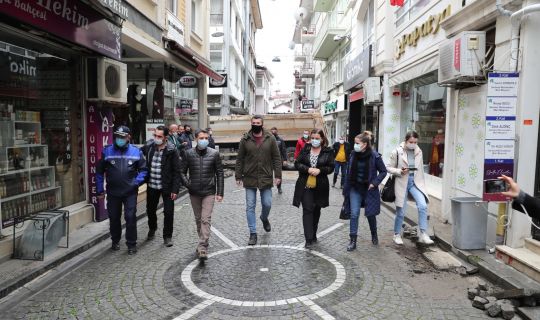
{"x": 256, "y": 129}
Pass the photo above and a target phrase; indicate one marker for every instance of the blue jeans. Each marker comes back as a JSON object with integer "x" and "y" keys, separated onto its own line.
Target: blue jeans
{"x": 343, "y": 167}
{"x": 356, "y": 198}
{"x": 421, "y": 204}
{"x": 251, "y": 203}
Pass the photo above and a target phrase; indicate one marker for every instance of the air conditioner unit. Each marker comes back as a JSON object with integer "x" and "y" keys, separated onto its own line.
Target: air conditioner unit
{"x": 372, "y": 90}
{"x": 461, "y": 58}
{"x": 107, "y": 80}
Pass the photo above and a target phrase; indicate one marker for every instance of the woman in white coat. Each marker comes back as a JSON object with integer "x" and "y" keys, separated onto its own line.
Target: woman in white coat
{"x": 406, "y": 164}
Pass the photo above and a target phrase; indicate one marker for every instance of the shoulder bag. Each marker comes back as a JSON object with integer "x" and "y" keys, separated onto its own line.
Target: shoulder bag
{"x": 388, "y": 193}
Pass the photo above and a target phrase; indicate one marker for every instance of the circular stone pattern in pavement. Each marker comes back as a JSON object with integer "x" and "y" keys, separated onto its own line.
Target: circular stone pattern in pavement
{"x": 264, "y": 275}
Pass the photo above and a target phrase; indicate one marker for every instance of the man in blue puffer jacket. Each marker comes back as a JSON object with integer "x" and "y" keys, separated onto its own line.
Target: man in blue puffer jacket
{"x": 125, "y": 168}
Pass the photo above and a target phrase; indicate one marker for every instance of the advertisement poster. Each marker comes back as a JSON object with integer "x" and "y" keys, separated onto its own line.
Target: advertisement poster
{"x": 98, "y": 134}
{"x": 151, "y": 126}
{"x": 499, "y": 148}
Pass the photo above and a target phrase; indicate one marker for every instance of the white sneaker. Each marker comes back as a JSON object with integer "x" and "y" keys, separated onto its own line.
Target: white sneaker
{"x": 397, "y": 239}
{"x": 425, "y": 239}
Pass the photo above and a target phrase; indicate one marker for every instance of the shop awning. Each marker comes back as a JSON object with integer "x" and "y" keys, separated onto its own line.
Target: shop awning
{"x": 423, "y": 66}
{"x": 199, "y": 62}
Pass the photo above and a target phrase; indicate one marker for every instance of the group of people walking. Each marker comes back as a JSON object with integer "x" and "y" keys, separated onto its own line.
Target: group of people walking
{"x": 362, "y": 171}
{"x": 164, "y": 163}
{"x": 170, "y": 160}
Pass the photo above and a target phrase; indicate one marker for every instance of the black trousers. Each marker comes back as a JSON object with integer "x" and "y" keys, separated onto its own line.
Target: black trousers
{"x": 152, "y": 201}
{"x": 311, "y": 215}
{"x": 114, "y": 209}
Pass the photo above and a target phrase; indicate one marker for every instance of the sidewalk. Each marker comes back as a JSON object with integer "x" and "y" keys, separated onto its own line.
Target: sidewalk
{"x": 488, "y": 266}
{"x": 16, "y": 273}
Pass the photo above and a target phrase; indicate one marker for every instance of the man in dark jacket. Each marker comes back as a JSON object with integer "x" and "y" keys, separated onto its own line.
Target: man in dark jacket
{"x": 342, "y": 150}
{"x": 163, "y": 164}
{"x": 282, "y": 151}
{"x": 205, "y": 183}
{"x": 124, "y": 167}
{"x": 257, "y": 162}
{"x": 211, "y": 142}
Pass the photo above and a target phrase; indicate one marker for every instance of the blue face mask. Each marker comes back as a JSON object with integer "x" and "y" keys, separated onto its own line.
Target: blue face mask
{"x": 202, "y": 144}
{"x": 316, "y": 143}
{"x": 120, "y": 142}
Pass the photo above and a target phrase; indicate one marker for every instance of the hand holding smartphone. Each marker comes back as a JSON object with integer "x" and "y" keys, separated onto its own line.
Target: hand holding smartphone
{"x": 495, "y": 186}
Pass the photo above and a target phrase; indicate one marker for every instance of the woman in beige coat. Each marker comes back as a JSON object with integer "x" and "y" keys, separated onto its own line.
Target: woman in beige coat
{"x": 406, "y": 164}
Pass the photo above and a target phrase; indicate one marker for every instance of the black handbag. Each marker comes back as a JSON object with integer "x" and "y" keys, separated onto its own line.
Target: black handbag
{"x": 388, "y": 193}
{"x": 345, "y": 213}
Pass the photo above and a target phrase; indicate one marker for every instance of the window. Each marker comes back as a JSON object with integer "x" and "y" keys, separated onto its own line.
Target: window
{"x": 216, "y": 55}
{"x": 42, "y": 160}
{"x": 172, "y": 6}
{"x": 424, "y": 110}
{"x": 195, "y": 12}
{"x": 216, "y": 13}
{"x": 369, "y": 25}
{"x": 260, "y": 81}
{"x": 409, "y": 9}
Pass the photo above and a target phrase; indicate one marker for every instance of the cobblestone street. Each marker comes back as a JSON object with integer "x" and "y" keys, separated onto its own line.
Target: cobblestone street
{"x": 278, "y": 279}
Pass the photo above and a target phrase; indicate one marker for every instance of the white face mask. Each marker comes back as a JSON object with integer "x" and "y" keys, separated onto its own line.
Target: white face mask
{"x": 411, "y": 146}
{"x": 315, "y": 143}
{"x": 359, "y": 148}
{"x": 341, "y": 141}
{"x": 158, "y": 141}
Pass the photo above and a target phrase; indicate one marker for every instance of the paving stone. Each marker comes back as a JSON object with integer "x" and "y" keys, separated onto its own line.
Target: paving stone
{"x": 378, "y": 281}
{"x": 493, "y": 309}
{"x": 480, "y": 303}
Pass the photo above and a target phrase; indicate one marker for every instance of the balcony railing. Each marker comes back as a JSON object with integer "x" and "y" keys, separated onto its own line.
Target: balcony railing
{"x": 216, "y": 19}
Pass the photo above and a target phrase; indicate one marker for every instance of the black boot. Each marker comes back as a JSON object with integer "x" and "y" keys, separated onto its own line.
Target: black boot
{"x": 373, "y": 227}
{"x": 352, "y": 244}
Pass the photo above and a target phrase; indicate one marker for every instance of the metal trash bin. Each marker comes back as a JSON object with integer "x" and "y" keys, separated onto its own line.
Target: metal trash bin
{"x": 470, "y": 223}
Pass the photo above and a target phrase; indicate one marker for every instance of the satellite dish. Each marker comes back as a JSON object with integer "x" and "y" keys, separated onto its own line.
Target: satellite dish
{"x": 292, "y": 45}
{"x": 300, "y": 14}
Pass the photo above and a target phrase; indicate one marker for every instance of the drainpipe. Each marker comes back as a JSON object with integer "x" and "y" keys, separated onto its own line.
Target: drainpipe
{"x": 515, "y": 20}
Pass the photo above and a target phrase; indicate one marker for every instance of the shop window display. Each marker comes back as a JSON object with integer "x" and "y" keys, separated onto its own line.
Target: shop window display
{"x": 424, "y": 110}
{"x": 41, "y": 146}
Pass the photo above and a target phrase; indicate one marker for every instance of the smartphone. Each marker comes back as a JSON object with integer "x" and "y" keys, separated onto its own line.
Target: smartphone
{"x": 495, "y": 186}
{"x": 412, "y": 169}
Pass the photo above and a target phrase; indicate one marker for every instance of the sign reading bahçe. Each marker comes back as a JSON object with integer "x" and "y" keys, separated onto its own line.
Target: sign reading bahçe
{"x": 69, "y": 19}
{"x": 431, "y": 26}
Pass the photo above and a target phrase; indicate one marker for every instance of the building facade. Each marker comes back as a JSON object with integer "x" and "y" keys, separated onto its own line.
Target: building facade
{"x": 263, "y": 95}
{"x": 141, "y": 63}
{"x": 233, "y": 25}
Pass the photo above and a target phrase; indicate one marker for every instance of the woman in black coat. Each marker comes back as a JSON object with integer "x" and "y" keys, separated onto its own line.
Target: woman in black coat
{"x": 316, "y": 160}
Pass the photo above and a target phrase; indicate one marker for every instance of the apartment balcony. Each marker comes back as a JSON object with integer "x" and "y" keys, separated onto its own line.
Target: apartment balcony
{"x": 323, "y": 5}
{"x": 324, "y": 44}
{"x": 308, "y": 34}
{"x": 299, "y": 56}
{"x": 307, "y": 71}
{"x": 216, "y": 19}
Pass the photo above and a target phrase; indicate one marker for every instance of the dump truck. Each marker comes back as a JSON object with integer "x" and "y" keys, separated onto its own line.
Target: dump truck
{"x": 228, "y": 130}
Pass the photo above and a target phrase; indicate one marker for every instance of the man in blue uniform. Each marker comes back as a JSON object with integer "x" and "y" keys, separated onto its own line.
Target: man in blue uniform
{"x": 125, "y": 169}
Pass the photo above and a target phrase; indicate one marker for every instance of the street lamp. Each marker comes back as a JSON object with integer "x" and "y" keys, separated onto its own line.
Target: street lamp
{"x": 276, "y": 59}
{"x": 217, "y": 34}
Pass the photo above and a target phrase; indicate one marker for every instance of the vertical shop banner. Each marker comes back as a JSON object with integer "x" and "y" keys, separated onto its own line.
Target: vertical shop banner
{"x": 98, "y": 134}
{"x": 499, "y": 148}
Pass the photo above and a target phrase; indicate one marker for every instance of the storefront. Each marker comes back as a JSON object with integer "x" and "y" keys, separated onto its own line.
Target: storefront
{"x": 413, "y": 100}
{"x": 361, "y": 116}
{"x": 42, "y": 88}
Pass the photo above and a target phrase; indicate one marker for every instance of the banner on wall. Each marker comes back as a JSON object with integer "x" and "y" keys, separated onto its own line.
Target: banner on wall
{"x": 499, "y": 148}
{"x": 99, "y": 122}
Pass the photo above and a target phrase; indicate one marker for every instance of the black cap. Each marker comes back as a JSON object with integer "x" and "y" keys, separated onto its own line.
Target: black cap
{"x": 122, "y": 131}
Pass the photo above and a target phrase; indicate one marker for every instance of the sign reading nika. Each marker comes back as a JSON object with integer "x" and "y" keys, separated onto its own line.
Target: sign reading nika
{"x": 431, "y": 26}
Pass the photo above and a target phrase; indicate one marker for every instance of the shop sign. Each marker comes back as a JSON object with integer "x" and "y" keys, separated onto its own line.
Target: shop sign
{"x": 308, "y": 104}
{"x": 117, "y": 7}
{"x": 218, "y": 84}
{"x": 184, "y": 106}
{"x": 71, "y": 20}
{"x": 99, "y": 123}
{"x": 150, "y": 128}
{"x": 175, "y": 29}
{"x": 431, "y": 26}
{"x": 187, "y": 82}
{"x": 499, "y": 151}
{"x": 357, "y": 70}
{"x": 330, "y": 106}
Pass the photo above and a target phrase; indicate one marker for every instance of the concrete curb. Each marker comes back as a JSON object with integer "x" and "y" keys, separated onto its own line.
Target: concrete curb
{"x": 488, "y": 267}
{"x": 13, "y": 284}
